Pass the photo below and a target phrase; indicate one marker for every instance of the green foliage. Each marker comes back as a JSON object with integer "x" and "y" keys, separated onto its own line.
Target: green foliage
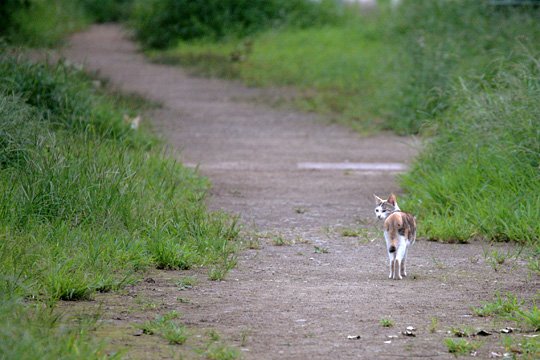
{"x": 502, "y": 306}
{"x": 47, "y": 22}
{"x": 85, "y": 201}
{"x": 40, "y": 22}
{"x": 478, "y": 176}
{"x": 222, "y": 352}
{"x": 528, "y": 348}
{"x": 386, "y": 322}
{"x": 530, "y": 319}
{"x": 29, "y": 331}
{"x": 460, "y": 346}
{"x": 165, "y": 327}
{"x": 108, "y": 10}
{"x": 161, "y": 23}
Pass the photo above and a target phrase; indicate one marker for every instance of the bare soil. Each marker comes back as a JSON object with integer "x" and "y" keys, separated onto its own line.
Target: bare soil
{"x": 303, "y": 299}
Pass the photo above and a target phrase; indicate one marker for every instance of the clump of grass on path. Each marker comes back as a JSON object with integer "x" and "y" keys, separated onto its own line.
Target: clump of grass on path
{"x": 85, "y": 204}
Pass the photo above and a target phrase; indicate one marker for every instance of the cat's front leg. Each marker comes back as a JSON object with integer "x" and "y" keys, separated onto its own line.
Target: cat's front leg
{"x": 397, "y": 268}
{"x": 403, "y": 270}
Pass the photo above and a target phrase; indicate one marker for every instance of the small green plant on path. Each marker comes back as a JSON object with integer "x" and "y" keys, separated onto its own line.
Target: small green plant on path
{"x": 461, "y": 346}
{"x": 501, "y": 306}
{"x": 187, "y": 282}
{"x": 529, "y": 319}
{"x": 320, "y": 250}
{"x": 463, "y": 331}
{"x": 222, "y": 352}
{"x": 279, "y": 240}
{"x": 386, "y": 322}
{"x": 528, "y": 348}
{"x": 165, "y": 327}
{"x": 434, "y": 325}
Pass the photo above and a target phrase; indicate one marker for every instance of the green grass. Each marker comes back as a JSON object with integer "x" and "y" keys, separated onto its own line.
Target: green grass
{"x": 513, "y": 309}
{"x": 476, "y": 177}
{"x": 386, "y": 322}
{"x": 502, "y": 306}
{"x": 460, "y": 346}
{"x": 86, "y": 204}
{"x": 529, "y": 319}
{"x": 165, "y": 327}
{"x": 42, "y": 22}
{"x": 527, "y": 348}
{"x": 222, "y": 352}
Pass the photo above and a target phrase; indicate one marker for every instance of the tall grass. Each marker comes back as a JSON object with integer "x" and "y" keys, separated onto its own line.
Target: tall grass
{"x": 480, "y": 176}
{"x": 85, "y": 203}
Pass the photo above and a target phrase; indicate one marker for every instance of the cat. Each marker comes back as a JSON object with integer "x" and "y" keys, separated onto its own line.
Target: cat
{"x": 399, "y": 233}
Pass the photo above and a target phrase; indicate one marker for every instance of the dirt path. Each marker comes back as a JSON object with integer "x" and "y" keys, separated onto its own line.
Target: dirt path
{"x": 290, "y": 301}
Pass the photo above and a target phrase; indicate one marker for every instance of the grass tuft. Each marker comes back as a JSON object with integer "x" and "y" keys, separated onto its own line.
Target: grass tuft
{"x": 460, "y": 346}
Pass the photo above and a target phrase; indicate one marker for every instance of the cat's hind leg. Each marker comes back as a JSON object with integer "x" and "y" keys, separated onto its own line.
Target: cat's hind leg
{"x": 391, "y": 257}
{"x": 403, "y": 267}
{"x": 401, "y": 253}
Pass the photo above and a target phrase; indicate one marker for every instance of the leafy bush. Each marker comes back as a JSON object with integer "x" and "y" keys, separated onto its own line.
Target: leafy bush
{"x": 40, "y": 22}
{"x": 161, "y": 23}
{"x": 105, "y": 11}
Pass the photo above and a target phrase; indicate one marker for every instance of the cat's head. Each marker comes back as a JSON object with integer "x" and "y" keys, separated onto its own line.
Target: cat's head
{"x": 385, "y": 207}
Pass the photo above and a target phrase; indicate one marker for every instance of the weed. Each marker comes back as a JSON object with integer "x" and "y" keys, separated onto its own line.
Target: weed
{"x": 213, "y": 335}
{"x": 438, "y": 263}
{"x": 279, "y": 240}
{"x": 187, "y": 282}
{"x": 350, "y": 232}
{"x": 166, "y": 328}
{"x": 386, "y": 322}
{"x": 175, "y": 334}
{"x": 460, "y": 346}
{"x": 534, "y": 265}
{"x": 221, "y": 269}
{"x": 244, "y": 337}
{"x": 466, "y": 331}
{"x": 222, "y": 352}
{"x": 321, "y": 250}
{"x": 528, "y": 348}
{"x": 500, "y": 306}
{"x": 434, "y": 325}
{"x": 528, "y": 318}
{"x": 300, "y": 240}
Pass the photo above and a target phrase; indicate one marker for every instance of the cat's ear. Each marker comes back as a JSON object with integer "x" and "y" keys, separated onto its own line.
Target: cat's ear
{"x": 378, "y": 200}
{"x": 392, "y": 199}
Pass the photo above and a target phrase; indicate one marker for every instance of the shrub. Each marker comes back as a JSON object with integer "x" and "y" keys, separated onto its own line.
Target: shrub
{"x": 160, "y": 23}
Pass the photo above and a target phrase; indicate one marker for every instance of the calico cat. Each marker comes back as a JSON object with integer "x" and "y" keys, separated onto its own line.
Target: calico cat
{"x": 399, "y": 233}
